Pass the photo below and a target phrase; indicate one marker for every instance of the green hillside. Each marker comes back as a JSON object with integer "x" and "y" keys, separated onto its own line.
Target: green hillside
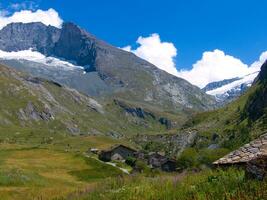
{"x": 226, "y": 129}
{"x": 36, "y": 108}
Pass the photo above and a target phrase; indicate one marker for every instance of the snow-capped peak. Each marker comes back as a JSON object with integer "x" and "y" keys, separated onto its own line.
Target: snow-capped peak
{"x": 232, "y": 88}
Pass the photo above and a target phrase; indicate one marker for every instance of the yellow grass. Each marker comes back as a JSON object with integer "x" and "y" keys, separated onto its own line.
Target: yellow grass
{"x": 47, "y": 173}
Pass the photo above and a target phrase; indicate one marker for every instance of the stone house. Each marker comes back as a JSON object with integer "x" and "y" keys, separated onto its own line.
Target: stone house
{"x": 157, "y": 160}
{"x": 252, "y": 156}
{"x": 118, "y": 152}
{"x": 169, "y": 165}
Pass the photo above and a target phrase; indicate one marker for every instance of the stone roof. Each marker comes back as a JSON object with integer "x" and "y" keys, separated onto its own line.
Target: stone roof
{"x": 248, "y": 152}
{"x": 117, "y": 146}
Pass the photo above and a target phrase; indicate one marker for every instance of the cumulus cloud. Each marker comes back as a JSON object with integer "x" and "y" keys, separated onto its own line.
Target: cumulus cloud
{"x": 155, "y": 51}
{"x": 47, "y": 17}
{"x": 257, "y": 64}
{"x": 213, "y": 66}
{"x": 216, "y": 66}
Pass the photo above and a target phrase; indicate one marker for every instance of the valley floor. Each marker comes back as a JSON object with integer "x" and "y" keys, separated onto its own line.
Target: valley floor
{"x": 44, "y": 172}
{"x": 28, "y": 172}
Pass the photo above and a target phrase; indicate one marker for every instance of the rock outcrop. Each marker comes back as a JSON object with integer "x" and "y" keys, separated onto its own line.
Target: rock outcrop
{"x": 143, "y": 113}
{"x": 171, "y": 144}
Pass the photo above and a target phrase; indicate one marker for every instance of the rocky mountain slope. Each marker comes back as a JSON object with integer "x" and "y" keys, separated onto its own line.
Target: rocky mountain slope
{"x": 228, "y": 90}
{"x": 110, "y": 72}
{"x": 35, "y": 105}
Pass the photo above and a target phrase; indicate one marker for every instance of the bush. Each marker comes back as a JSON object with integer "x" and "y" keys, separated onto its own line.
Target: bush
{"x": 152, "y": 146}
{"x": 188, "y": 159}
{"x": 130, "y": 161}
{"x": 141, "y": 166}
{"x": 208, "y": 156}
{"x": 191, "y": 158}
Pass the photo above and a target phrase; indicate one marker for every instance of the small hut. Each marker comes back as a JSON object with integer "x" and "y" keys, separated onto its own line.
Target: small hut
{"x": 252, "y": 156}
{"x": 118, "y": 152}
{"x": 157, "y": 160}
{"x": 169, "y": 165}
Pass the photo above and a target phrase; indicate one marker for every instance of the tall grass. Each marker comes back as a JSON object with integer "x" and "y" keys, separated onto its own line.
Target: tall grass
{"x": 231, "y": 184}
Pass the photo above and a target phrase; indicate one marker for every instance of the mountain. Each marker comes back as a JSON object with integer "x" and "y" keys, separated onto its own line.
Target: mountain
{"x": 104, "y": 72}
{"x": 35, "y": 105}
{"x": 228, "y": 90}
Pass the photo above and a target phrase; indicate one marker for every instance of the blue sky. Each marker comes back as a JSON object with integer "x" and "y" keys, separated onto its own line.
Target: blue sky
{"x": 236, "y": 27}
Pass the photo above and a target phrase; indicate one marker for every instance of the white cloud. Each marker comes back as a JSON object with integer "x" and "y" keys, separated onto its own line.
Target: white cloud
{"x": 213, "y": 66}
{"x": 155, "y": 51}
{"x": 257, "y": 64}
{"x": 216, "y": 66}
{"x": 47, "y": 17}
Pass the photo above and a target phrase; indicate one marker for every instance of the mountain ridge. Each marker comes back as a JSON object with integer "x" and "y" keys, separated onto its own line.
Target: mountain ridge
{"x": 125, "y": 75}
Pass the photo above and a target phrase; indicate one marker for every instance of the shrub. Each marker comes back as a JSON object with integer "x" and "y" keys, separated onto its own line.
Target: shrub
{"x": 192, "y": 158}
{"x": 130, "y": 161}
{"x": 188, "y": 159}
{"x": 141, "y": 166}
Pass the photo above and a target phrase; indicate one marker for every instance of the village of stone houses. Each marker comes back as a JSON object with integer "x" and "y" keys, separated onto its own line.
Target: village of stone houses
{"x": 252, "y": 157}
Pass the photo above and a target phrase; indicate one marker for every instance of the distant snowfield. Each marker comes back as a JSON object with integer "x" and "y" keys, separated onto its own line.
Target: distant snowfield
{"x": 35, "y": 56}
{"x": 235, "y": 85}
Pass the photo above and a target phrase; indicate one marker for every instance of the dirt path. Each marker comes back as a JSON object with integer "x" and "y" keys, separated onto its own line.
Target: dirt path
{"x": 110, "y": 163}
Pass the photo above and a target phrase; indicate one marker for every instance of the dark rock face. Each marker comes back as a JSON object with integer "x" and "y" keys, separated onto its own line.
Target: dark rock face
{"x": 18, "y": 36}
{"x": 256, "y": 104}
{"x": 136, "y": 112}
{"x": 263, "y": 74}
{"x": 166, "y": 122}
{"x": 144, "y": 114}
{"x": 75, "y": 44}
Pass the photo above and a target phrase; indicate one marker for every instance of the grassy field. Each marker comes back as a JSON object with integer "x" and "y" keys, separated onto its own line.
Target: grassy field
{"x": 231, "y": 184}
{"x": 47, "y": 172}
{"x": 52, "y": 173}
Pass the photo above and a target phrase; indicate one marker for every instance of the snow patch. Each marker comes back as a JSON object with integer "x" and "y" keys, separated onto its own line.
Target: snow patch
{"x": 37, "y": 57}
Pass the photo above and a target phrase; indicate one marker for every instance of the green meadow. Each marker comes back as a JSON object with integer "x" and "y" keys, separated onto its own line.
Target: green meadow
{"x": 51, "y": 172}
